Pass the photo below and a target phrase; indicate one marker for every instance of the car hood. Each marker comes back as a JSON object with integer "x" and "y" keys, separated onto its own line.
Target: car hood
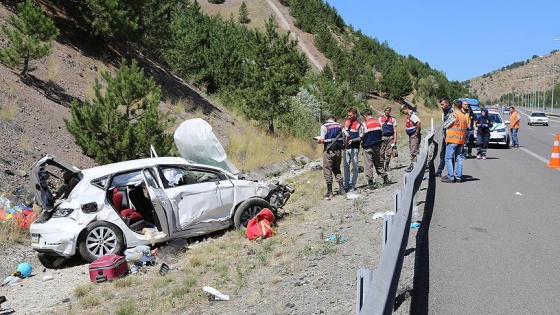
{"x": 196, "y": 142}
{"x": 497, "y": 126}
{"x": 40, "y": 179}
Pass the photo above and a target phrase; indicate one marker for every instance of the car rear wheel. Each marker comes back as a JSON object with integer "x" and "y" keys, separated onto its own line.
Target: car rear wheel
{"x": 100, "y": 238}
{"x": 249, "y": 209}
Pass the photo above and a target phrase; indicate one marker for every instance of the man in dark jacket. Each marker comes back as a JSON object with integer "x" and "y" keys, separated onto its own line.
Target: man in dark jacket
{"x": 446, "y": 108}
{"x": 483, "y": 126}
{"x": 371, "y": 134}
{"x": 333, "y": 140}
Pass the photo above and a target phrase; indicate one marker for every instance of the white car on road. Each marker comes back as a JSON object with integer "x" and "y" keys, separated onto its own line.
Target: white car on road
{"x": 538, "y": 118}
{"x": 499, "y": 133}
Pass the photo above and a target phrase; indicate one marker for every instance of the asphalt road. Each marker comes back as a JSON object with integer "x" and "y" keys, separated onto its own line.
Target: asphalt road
{"x": 494, "y": 240}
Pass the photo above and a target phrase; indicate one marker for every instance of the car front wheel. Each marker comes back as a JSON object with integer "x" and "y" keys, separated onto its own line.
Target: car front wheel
{"x": 249, "y": 209}
{"x": 100, "y": 238}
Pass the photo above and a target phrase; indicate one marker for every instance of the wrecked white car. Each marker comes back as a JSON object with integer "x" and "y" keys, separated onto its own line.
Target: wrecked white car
{"x": 109, "y": 208}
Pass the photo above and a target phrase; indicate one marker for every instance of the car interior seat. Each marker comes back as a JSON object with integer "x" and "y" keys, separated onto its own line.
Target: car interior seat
{"x": 128, "y": 214}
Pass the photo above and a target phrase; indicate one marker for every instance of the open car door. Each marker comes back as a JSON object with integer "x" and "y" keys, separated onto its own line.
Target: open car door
{"x": 160, "y": 201}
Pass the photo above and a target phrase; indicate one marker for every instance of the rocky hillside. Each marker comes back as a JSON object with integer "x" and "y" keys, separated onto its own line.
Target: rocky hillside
{"x": 536, "y": 75}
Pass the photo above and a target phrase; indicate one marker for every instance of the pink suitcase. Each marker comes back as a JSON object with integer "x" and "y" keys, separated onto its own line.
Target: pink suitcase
{"x": 107, "y": 267}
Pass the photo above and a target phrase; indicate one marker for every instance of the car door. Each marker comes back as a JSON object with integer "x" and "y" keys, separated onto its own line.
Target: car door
{"x": 203, "y": 197}
{"x": 160, "y": 201}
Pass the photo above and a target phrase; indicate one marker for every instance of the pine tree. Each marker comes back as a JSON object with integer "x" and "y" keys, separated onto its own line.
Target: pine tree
{"x": 273, "y": 75}
{"x": 243, "y": 14}
{"x": 121, "y": 122}
{"x": 29, "y": 38}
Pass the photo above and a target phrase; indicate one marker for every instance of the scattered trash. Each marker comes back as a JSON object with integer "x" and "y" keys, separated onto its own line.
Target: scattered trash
{"x": 5, "y": 310}
{"x": 302, "y": 282}
{"x": 349, "y": 216}
{"x": 518, "y": 193}
{"x": 336, "y": 239}
{"x": 378, "y": 215}
{"x": 218, "y": 296}
{"x": 352, "y": 196}
{"x": 25, "y": 269}
{"x": 133, "y": 270}
{"x": 65, "y": 300}
{"x": 414, "y": 225}
{"x": 260, "y": 226}
{"x": 47, "y": 278}
{"x": 22, "y": 214}
{"x": 164, "y": 269}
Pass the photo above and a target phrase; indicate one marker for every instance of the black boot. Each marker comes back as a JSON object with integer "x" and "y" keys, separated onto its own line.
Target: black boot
{"x": 386, "y": 180}
{"x": 371, "y": 185}
{"x": 341, "y": 187}
{"x": 329, "y": 193}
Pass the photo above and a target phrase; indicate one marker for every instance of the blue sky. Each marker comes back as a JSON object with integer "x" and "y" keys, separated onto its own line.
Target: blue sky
{"x": 464, "y": 39}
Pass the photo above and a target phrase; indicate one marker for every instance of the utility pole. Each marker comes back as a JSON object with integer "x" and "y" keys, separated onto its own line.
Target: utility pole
{"x": 552, "y": 102}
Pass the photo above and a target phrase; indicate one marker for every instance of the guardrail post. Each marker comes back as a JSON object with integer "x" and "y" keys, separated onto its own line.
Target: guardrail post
{"x": 364, "y": 282}
{"x": 397, "y": 200}
{"x": 387, "y": 223}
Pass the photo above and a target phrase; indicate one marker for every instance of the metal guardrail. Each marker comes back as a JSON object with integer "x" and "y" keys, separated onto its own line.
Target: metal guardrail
{"x": 377, "y": 288}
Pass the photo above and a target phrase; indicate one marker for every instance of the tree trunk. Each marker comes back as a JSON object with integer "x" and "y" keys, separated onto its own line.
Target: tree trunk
{"x": 25, "y": 65}
{"x": 270, "y": 126}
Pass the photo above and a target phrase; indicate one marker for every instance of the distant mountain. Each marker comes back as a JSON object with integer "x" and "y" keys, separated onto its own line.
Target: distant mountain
{"x": 520, "y": 83}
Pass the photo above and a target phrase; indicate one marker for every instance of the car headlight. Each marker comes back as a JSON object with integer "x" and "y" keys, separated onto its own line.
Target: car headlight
{"x": 501, "y": 130}
{"x": 62, "y": 212}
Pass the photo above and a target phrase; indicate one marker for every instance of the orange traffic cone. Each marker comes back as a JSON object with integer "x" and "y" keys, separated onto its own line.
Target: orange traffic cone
{"x": 555, "y": 156}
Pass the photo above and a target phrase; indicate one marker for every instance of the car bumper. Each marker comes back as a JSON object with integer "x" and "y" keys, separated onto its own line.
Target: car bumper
{"x": 539, "y": 122}
{"x": 57, "y": 237}
{"x": 498, "y": 137}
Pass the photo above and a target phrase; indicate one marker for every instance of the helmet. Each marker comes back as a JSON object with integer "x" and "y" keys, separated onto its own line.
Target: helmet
{"x": 25, "y": 269}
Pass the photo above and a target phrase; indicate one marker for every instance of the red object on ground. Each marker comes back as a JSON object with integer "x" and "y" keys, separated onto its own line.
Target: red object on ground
{"x": 261, "y": 225}
{"x": 107, "y": 267}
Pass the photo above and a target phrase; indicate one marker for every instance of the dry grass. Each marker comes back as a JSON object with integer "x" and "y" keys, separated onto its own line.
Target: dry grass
{"x": 8, "y": 107}
{"x": 10, "y": 232}
{"x": 53, "y": 68}
{"x": 253, "y": 148}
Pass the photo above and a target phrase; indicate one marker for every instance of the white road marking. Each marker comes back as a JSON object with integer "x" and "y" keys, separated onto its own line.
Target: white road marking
{"x": 536, "y": 156}
{"x": 548, "y": 133}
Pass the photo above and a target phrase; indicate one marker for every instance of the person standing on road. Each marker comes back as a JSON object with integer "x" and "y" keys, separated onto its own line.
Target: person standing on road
{"x": 483, "y": 126}
{"x": 371, "y": 135}
{"x": 471, "y": 117}
{"x": 389, "y": 137}
{"x": 456, "y": 129}
{"x": 352, "y": 148}
{"x": 446, "y": 108}
{"x": 413, "y": 128}
{"x": 514, "y": 123}
{"x": 332, "y": 138}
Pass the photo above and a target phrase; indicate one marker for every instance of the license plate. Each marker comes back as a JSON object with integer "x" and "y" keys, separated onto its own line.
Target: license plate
{"x": 35, "y": 238}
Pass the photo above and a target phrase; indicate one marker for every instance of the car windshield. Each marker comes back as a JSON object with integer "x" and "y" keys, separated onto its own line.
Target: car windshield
{"x": 495, "y": 118}
{"x": 475, "y": 107}
{"x": 538, "y": 114}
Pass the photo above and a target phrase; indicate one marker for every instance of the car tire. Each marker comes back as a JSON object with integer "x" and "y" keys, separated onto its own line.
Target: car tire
{"x": 51, "y": 261}
{"x": 100, "y": 238}
{"x": 249, "y": 209}
{"x": 507, "y": 142}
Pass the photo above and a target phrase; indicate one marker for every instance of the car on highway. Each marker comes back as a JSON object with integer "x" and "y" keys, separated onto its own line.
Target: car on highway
{"x": 109, "y": 208}
{"x": 499, "y": 133}
{"x": 538, "y": 118}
